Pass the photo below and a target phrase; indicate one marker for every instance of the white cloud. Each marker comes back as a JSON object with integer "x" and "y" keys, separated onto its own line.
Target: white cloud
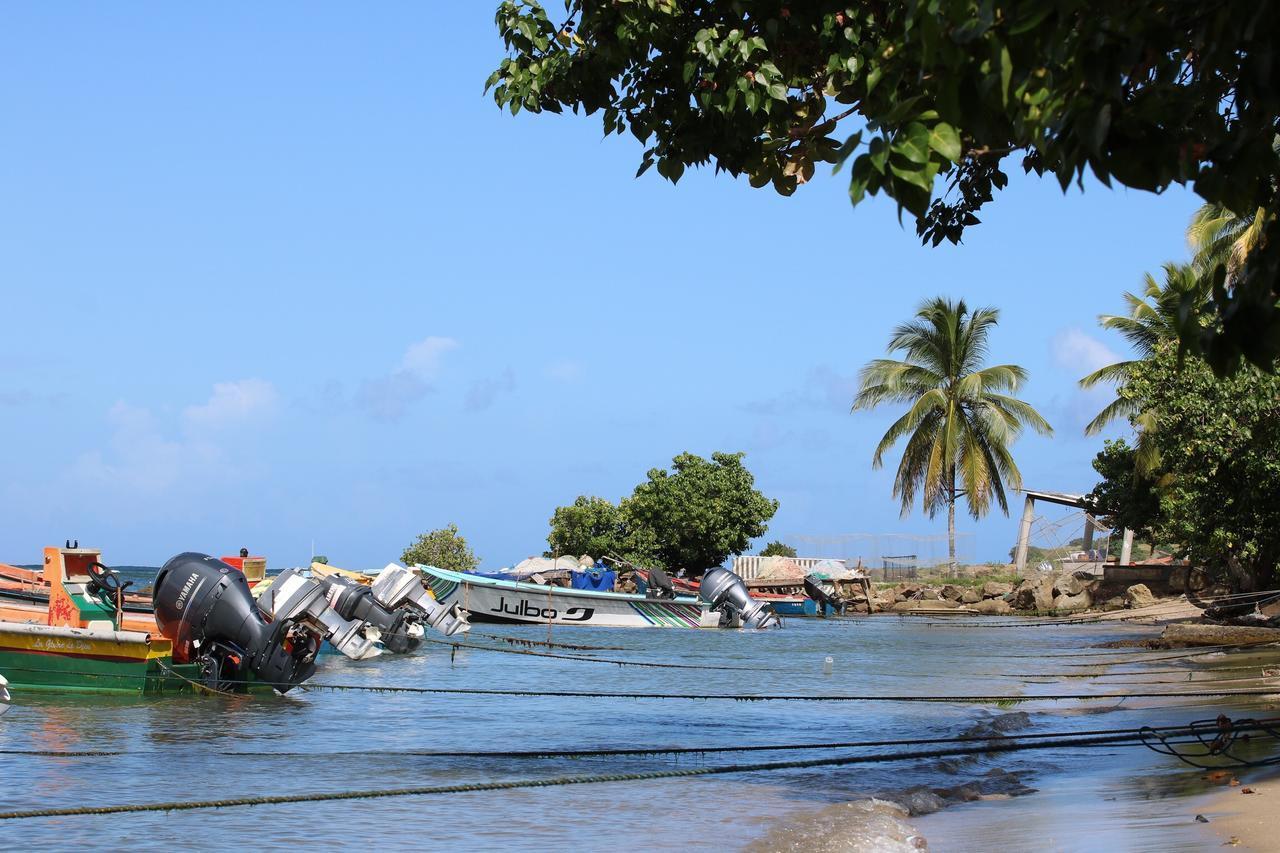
{"x": 233, "y": 404}
{"x": 1075, "y": 351}
{"x": 387, "y": 398}
{"x": 142, "y": 458}
{"x": 423, "y": 358}
{"x": 484, "y": 391}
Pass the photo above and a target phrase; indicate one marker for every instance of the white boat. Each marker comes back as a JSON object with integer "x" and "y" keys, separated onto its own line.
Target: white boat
{"x": 495, "y": 600}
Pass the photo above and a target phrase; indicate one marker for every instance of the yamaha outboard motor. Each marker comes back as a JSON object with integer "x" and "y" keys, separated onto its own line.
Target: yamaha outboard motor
{"x": 203, "y": 606}
{"x": 726, "y": 593}
{"x": 822, "y": 598}
{"x": 399, "y": 630}
{"x": 398, "y": 588}
{"x": 293, "y": 596}
{"x": 660, "y": 585}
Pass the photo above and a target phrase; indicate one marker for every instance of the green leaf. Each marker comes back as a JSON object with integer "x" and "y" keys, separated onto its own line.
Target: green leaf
{"x": 873, "y": 77}
{"x": 1006, "y": 74}
{"x": 752, "y": 98}
{"x": 944, "y": 139}
{"x": 917, "y": 176}
{"x": 845, "y": 150}
{"x": 1101, "y": 126}
{"x": 778, "y": 91}
{"x": 913, "y": 143}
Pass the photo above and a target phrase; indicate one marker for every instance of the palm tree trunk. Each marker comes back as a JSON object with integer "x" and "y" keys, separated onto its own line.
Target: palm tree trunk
{"x": 953, "y": 569}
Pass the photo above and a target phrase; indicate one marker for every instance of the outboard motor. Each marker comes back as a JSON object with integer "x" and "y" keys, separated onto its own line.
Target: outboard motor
{"x": 399, "y": 631}
{"x": 292, "y": 596}
{"x": 396, "y": 587}
{"x": 203, "y": 606}
{"x": 726, "y": 593}
{"x": 660, "y": 585}
{"x": 821, "y": 597}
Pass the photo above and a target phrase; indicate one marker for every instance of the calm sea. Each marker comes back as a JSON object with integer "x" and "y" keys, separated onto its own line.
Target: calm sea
{"x": 201, "y": 748}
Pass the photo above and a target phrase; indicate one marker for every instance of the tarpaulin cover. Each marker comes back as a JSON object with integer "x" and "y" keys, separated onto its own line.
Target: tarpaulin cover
{"x": 597, "y": 579}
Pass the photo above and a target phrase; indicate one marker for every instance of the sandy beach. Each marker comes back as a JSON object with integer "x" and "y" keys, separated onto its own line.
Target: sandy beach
{"x": 1249, "y": 821}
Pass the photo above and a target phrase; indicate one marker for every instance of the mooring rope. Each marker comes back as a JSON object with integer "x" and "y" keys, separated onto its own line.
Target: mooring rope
{"x": 588, "y": 659}
{"x": 1131, "y": 738}
{"x": 622, "y": 752}
{"x": 736, "y": 697}
{"x": 521, "y": 641}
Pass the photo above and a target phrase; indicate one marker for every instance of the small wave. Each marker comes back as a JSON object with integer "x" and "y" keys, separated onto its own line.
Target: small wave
{"x": 862, "y": 826}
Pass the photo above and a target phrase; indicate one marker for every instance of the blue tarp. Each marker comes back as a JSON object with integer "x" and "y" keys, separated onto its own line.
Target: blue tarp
{"x": 600, "y": 580}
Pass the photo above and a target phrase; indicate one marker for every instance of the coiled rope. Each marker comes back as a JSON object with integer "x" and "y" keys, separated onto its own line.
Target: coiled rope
{"x": 1132, "y": 738}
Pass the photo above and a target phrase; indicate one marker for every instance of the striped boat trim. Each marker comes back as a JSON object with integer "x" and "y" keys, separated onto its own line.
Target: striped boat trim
{"x": 669, "y": 615}
{"x": 440, "y": 587}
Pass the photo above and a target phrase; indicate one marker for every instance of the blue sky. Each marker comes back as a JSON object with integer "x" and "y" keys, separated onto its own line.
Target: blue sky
{"x": 275, "y": 275}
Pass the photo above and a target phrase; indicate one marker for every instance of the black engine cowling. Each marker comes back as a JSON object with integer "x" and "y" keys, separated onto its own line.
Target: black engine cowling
{"x": 204, "y": 607}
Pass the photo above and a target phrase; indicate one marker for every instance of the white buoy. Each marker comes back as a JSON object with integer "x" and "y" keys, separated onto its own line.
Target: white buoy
{"x": 827, "y": 665}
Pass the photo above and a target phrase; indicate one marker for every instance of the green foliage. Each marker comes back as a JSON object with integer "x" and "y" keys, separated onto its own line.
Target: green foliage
{"x": 589, "y": 525}
{"x": 701, "y": 511}
{"x": 692, "y": 517}
{"x": 321, "y": 559}
{"x": 778, "y": 549}
{"x": 442, "y": 548}
{"x": 939, "y": 91}
{"x": 960, "y": 421}
{"x": 1219, "y": 482}
{"x": 1126, "y": 497}
{"x": 1160, "y": 314}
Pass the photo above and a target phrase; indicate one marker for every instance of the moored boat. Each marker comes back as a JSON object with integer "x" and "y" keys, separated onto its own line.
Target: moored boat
{"x": 205, "y": 631}
{"x": 488, "y": 599}
{"x": 78, "y": 642}
{"x": 723, "y": 603}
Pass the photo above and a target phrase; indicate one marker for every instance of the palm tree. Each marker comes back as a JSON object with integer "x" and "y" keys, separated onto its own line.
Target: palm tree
{"x": 962, "y": 418}
{"x": 1219, "y": 236}
{"x": 1153, "y": 317}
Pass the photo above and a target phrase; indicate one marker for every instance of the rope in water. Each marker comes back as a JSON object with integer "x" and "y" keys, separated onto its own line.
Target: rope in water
{"x": 779, "y": 697}
{"x": 626, "y": 752}
{"x": 737, "y": 697}
{"x": 521, "y": 641}
{"x": 1132, "y": 738}
{"x": 614, "y": 661}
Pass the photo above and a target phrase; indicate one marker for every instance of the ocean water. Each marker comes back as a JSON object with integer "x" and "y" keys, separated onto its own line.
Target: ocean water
{"x": 326, "y": 741}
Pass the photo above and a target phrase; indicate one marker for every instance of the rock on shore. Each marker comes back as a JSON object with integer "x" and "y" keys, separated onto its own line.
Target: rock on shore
{"x": 1061, "y": 594}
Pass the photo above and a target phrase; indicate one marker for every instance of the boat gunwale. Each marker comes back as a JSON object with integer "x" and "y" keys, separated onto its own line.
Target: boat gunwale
{"x": 543, "y": 589}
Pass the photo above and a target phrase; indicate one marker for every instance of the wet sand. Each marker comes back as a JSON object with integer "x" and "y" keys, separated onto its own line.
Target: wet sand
{"x": 1246, "y": 821}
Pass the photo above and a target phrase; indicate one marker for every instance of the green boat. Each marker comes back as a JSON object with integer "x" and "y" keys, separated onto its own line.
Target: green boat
{"x": 79, "y": 643}
{"x": 206, "y": 633}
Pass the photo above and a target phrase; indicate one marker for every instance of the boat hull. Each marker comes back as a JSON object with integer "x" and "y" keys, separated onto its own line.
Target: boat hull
{"x": 511, "y": 602}
{"x": 43, "y": 658}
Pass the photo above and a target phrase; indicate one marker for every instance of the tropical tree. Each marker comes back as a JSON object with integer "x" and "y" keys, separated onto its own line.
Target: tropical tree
{"x": 692, "y": 517}
{"x": 443, "y": 548}
{"x": 1154, "y": 317}
{"x": 962, "y": 418}
{"x": 777, "y": 549}
{"x": 1218, "y": 236}
{"x": 1219, "y": 480}
{"x": 589, "y": 525}
{"x": 934, "y": 104}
